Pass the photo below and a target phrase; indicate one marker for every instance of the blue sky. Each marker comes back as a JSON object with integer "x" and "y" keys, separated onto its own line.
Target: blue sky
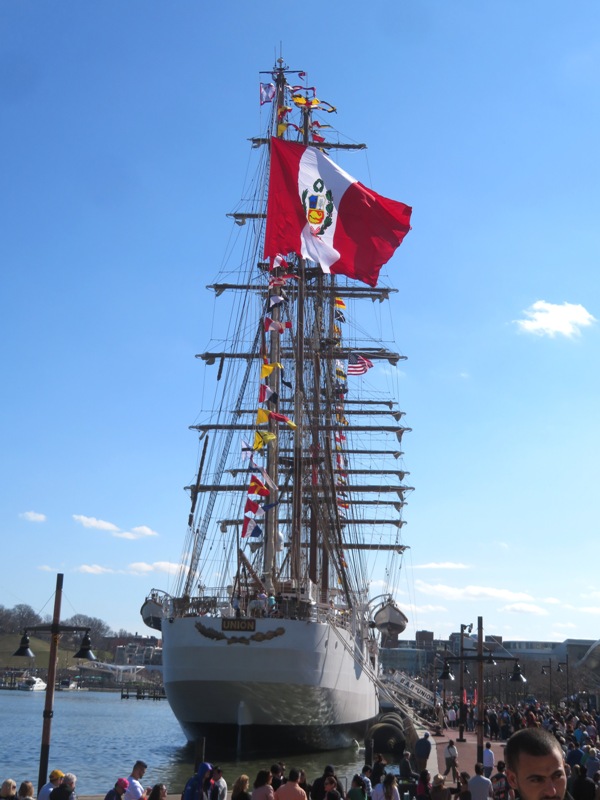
{"x": 124, "y": 129}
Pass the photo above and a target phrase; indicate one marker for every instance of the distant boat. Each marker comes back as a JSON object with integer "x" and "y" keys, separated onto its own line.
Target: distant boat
{"x": 389, "y": 619}
{"x": 32, "y": 685}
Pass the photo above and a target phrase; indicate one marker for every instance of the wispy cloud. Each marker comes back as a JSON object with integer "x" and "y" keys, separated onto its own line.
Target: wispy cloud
{"x": 141, "y": 532}
{"x": 92, "y": 522}
{"x": 442, "y": 565}
{"x": 142, "y": 568}
{"x": 526, "y": 608}
{"x": 553, "y": 319}
{"x": 94, "y": 569}
{"x": 552, "y": 601}
{"x": 411, "y": 608}
{"x": 589, "y": 610}
{"x": 468, "y": 592}
{"x": 565, "y": 625}
{"x": 33, "y": 516}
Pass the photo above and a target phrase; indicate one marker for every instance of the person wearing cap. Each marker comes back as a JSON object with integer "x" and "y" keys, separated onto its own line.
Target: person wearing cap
{"x": 135, "y": 790}
{"x": 119, "y": 789}
{"x": 422, "y": 752}
{"x": 55, "y": 779}
{"x": 66, "y": 789}
{"x": 438, "y": 789}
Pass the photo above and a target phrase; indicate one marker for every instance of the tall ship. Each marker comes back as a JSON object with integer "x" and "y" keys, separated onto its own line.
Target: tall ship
{"x": 294, "y": 544}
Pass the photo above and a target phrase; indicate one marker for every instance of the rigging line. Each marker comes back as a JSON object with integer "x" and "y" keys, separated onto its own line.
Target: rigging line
{"x": 200, "y": 536}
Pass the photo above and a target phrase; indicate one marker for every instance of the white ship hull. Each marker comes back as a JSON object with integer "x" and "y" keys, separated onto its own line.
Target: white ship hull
{"x": 293, "y": 682}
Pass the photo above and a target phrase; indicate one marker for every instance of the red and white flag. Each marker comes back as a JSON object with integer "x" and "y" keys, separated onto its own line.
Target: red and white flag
{"x": 318, "y": 211}
{"x": 274, "y": 325}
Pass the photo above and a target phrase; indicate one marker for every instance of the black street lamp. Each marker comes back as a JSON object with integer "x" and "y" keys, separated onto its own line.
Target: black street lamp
{"x": 85, "y": 651}
{"x": 565, "y": 664}
{"x": 547, "y": 670}
{"x": 462, "y": 706}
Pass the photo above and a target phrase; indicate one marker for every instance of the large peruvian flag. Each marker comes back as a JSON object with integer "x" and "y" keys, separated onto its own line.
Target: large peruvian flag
{"x": 318, "y": 211}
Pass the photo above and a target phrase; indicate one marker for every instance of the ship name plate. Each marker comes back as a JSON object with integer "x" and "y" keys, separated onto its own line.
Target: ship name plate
{"x": 238, "y": 624}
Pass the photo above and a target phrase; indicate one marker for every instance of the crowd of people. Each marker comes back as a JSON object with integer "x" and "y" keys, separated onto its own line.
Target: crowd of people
{"x": 547, "y": 756}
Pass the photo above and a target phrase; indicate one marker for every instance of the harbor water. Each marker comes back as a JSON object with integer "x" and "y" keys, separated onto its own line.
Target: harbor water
{"x": 98, "y": 736}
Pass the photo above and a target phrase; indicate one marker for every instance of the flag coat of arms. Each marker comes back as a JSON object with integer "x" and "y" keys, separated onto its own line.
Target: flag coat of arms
{"x": 318, "y": 211}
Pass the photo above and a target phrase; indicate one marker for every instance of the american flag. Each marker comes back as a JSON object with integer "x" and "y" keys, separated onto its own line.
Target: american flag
{"x": 358, "y": 365}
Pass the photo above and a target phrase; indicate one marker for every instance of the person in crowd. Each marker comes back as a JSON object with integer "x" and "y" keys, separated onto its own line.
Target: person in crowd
{"x": 135, "y": 790}
{"x": 439, "y": 791}
{"x": 390, "y": 787}
{"x": 357, "y": 789}
{"x": 489, "y": 760}
{"x": 500, "y": 785}
{"x": 451, "y": 758}
{"x": 480, "y": 786}
{"x": 318, "y": 788}
{"x": 262, "y": 786}
{"x": 366, "y": 778}
{"x": 54, "y": 780}
{"x": 592, "y": 763}
{"x": 8, "y": 790}
{"x": 25, "y": 791}
{"x": 378, "y": 769}
{"x": 535, "y": 765}
{"x": 240, "y": 790}
{"x": 66, "y": 790}
{"x": 422, "y": 752}
{"x": 462, "y": 786}
{"x": 304, "y": 784}
{"x": 219, "y": 788}
{"x": 332, "y": 790}
{"x": 406, "y": 772}
{"x": 424, "y": 785}
{"x": 289, "y": 789}
{"x": 278, "y": 777}
{"x": 198, "y": 787}
{"x": 118, "y": 790}
{"x": 158, "y": 792}
{"x": 584, "y": 788}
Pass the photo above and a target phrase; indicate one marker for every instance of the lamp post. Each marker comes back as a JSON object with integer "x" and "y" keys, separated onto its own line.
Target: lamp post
{"x": 85, "y": 651}
{"x": 445, "y": 676}
{"x": 548, "y": 667}
{"x": 462, "y": 706}
{"x": 565, "y": 664}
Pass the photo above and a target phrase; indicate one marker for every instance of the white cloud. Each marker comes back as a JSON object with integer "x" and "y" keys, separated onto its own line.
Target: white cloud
{"x": 526, "y": 608}
{"x": 442, "y": 565}
{"x": 92, "y": 522}
{"x": 136, "y": 533}
{"x": 143, "y": 568}
{"x": 565, "y": 625}
{"x": 46, "y": 568}
{"x": 589, "y": 610}
{"x": 552, "y": 601}
{"x": 94, "y": 569}
{"x": 469, "y": 592}
{"x": 552, "y": 319}
{"x": 411, "y": 608}
{"x": 33, "y": 516}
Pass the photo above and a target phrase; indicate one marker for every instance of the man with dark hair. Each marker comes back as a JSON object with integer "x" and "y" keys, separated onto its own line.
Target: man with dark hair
{"x": 290, "y": 789}
{"x": 500, "y": 785}
{"x": 480, "y": 786}
{"x": 135, "y": 790}
{"x": 535, "y": 765}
